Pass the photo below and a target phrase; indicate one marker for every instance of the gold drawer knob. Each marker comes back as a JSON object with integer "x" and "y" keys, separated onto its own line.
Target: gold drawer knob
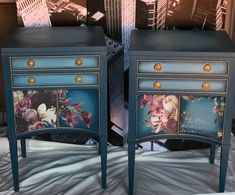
{"x": 158, "y": 67}
{"x": 207, "y": 68}
{"x": 78, "y": 62}
{"x": 78, "y": 79}
{"x": 157, "y": 84}
{"x": 206, "y": 85}
{"x": 31, "y": 80}
{"x": 31, "y": 63}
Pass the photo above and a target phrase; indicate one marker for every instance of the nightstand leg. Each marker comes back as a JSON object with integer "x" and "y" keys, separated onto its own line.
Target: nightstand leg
{"x": 103, "y": 151}
{"x": 23, "y": 147}
{"x": 131, "y": 167}
{"x": 223, "y": 166}
{"x": 14, "y": 164}
{"x": 212, "y": 153}
{"x": 99, "y": 148}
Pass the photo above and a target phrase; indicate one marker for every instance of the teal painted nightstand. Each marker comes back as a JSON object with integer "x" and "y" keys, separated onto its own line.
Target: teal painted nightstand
{"x": 181, "y": 87}
{"x": 55, "y": 81}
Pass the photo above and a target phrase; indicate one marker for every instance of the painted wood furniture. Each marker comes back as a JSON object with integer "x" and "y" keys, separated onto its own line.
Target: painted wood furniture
{"x": 55, "y": 81}
{"x": 181, "y": 87}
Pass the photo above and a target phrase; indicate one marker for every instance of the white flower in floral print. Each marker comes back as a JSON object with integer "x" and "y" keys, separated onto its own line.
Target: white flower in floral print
{"x": 18, "y": 95}
{"x": 47, "y": 115}
{"x": 170, "y": 103}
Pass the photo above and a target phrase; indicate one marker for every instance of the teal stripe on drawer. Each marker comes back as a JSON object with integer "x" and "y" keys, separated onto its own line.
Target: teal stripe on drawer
{"x": 182, "y": 85}
{"x": 54, "y": 80}
{"x": 53, "y": 62}
{"x": 183, "y": 67}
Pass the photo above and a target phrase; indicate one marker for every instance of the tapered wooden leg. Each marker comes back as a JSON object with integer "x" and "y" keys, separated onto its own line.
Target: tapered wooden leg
{"x": 23, "y": 147}
{"x": 223, "y": 166}
{"x": 99, "y": 148}
{"x": 212, "y": 153}
{"x": 14, "y": 164}
{"x": 103, "y": 151}
{"x": 131, "y": 167}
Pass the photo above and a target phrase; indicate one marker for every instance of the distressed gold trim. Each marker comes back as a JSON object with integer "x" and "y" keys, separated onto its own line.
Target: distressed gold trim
{"x": 52, "y": 56}
{"x": 228, "y": 62}
{"x": 182, "y": 79}
{"x": 179, "y": 109}
{"x": 49, "y": 86}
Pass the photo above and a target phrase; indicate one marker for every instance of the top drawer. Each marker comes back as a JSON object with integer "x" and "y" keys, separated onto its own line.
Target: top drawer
{"x": 184, "y": 67}
{"x": 54, "y": 62}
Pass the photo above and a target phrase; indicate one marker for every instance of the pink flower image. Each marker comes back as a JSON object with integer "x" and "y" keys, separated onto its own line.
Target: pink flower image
{"x": 36, "y": 125}
{"x": 170, "y": 103}
{"x": 31, "y": 115}
{"x": 86, "y": 118}
{"x": 163, "y": 112}
{"x": 145, "y": 100}
{"x": 171, "y": 125}
{"x": 71, "y": 119}
{"x": 72, "y": 113}
{"x": 22, "y": 105}
{"x": 156, "y": 106}
{"x": 77, "y": 106}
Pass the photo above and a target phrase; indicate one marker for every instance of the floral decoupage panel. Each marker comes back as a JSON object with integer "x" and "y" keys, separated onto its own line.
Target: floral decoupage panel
{"x": 202, "y": 116}
{"x": 157, "y": 114}
{"x": 79, "y": 108}
{"x": 34, "y": 110}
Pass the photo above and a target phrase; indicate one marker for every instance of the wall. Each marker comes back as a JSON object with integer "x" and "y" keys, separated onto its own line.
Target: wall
{"x": 8, "y": 19}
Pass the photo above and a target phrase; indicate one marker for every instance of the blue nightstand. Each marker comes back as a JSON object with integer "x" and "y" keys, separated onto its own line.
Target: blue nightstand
{"x": 55, "y": 81}
{"x": 181, "y": 87}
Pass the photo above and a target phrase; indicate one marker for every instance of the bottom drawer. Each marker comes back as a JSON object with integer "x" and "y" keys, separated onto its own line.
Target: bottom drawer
{"x": 43, "y": 109}
{"x": 170, "y": 114}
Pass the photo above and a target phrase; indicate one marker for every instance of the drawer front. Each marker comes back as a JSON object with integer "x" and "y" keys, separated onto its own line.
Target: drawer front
{"x": 54, "y": 62}
{"x": 39, "y": 110}
{"x": 55, "y": 80}
{"x": 182, "y": 85}
{"x": 184, "y": 67}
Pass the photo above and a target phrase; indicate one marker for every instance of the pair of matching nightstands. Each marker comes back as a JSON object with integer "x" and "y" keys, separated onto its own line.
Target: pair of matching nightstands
{"x": 181, "y": 87}
{"x": 55, "y": 81}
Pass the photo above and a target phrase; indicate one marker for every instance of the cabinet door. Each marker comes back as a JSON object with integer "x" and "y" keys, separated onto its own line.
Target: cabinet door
{"x": 202, "y": 116}
{"x": 79, "y": 108}
{"x": 43, "y": 109}
{"x": 34, "y": 110}
{"x": 157, "y": 114}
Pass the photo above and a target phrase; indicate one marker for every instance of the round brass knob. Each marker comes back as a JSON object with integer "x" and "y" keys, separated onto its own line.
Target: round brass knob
{"x": 31, "y": 63}
{"x": 207, "y": 68}
{"x": 78, "y": 62}
{"x": 31, "y": 80}
{"x": 78, "y": 79}
{"x": 158, "y": 67}
{"x": 157, "y": 84}
{"x": 206, "y": 85}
